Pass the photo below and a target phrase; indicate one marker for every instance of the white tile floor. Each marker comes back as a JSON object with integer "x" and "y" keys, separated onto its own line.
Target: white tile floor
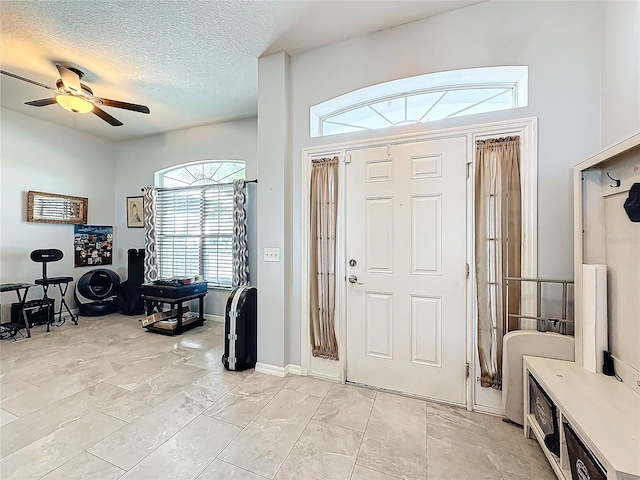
{"x": 108, "y": 400}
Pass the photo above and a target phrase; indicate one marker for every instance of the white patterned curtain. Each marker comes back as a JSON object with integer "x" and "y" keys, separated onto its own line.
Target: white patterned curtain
{"x": 150, "y": 255}
{"x": 240, "y": 246}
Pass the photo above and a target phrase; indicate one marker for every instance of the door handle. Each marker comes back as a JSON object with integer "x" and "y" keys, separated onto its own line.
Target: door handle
{"x": 354, "y": 279}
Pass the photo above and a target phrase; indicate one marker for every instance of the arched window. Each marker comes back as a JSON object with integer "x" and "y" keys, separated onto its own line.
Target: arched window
{"x": 423, "y": 98}
{"x": 206, "y": 172}
{"x": 194, "y": 220}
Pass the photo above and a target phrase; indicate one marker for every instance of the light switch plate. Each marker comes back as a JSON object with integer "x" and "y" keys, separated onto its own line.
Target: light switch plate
{"x": 271, "y": 254}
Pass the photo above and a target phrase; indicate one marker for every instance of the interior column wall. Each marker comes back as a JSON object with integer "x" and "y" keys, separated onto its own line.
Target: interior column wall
{"x": 274, "y": 219}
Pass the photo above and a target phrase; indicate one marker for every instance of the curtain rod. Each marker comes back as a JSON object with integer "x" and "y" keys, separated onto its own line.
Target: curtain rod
{"x": 255, "y": 180}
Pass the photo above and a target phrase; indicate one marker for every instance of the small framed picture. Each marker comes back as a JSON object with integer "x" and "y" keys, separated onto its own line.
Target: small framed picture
{"x": 135, "y": 217}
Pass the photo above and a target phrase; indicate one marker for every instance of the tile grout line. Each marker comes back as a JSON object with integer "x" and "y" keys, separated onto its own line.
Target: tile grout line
{"x": 242, "y": 428}
{"x": 234, "y": 466}
{"x": 107, "y": 461}
{"x": 111, "y": 416}
{"x": 301, "y": 433}
{"x": 222, "y": 449}
{"x": 426, "y": 439}
{"x": 57, "y": 430}
{"x": 364, "y": 431}
{"x": 143, "y": 458}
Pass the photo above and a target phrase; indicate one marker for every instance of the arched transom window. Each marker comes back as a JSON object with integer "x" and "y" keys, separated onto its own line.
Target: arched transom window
{"x": 207, "y": 172}
{"x": 420, "y": 99}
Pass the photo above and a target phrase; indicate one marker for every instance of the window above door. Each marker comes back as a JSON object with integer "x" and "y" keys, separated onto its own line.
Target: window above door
{"x": 422, "y": 98}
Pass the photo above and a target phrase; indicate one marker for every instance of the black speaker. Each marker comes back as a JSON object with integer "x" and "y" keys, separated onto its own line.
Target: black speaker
{"x": 129, "y": 293}
{"x": 38, "y": 312}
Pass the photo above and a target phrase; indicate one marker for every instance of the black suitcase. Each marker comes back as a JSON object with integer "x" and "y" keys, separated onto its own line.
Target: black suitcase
{"x": 240, "y": 329}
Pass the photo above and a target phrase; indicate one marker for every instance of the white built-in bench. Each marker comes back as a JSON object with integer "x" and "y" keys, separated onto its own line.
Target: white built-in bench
{"x": 603, "y": 412}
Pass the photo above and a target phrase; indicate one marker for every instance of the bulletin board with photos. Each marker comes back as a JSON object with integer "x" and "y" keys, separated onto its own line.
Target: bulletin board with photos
{"x": 93, "y": 245}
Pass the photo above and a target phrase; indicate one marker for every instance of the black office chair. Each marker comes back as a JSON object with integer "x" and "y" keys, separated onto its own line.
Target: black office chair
{"x": 53, "y": 255}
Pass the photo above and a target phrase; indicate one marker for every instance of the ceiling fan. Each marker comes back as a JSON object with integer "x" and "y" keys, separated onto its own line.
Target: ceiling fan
{"x": 77, "y": 97}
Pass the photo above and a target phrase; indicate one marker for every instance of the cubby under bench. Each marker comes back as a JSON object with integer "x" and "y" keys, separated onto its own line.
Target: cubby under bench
{"x": 603, "y": 413}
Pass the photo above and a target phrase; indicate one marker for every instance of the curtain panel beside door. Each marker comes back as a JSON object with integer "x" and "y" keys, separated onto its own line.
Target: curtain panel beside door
{"x": 498, "y": 239}
{"x": 324, "y": 211}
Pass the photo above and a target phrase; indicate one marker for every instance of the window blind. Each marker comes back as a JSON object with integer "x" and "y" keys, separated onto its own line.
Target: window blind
{"x": 194, "y": 232}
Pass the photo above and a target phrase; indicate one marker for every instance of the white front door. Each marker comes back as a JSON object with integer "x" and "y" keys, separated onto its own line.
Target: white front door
{"x": 406, "y": 256}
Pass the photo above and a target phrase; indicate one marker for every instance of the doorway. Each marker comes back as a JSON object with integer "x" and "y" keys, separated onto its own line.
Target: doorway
{"x": 406, "y": 236}
{"x": 477, "y": 398}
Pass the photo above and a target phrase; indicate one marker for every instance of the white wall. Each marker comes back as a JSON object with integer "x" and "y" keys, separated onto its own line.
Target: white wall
{"x": 137, "y": 160}
{"x": 560, "y": 42}
{"x": 620, "y": 70}
{"x": 38, "y": 155}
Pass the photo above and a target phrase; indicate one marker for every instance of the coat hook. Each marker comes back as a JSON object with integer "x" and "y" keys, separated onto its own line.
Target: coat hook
{"x": 617, "y": 185}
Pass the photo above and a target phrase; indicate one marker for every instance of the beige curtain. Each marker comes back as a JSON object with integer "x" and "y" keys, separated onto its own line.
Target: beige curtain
{"x": 324, "y": 210}
{"x": 498, "y": 217}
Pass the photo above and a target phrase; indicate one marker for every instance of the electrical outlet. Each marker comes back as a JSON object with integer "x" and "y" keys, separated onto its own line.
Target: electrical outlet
{"x": 271, "y": 254}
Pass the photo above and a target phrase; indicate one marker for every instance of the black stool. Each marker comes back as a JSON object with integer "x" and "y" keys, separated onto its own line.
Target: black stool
{"x": 53, "y": 255}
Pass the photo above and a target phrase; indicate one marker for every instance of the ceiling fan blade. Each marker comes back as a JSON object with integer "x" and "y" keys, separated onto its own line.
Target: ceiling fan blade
{"x": 41, "y": 103}
{"x": 70, "y": 79}
{"x": 127, "y": 106}
{"x": 27, "y": 80}
{"x": 106, "y": 117}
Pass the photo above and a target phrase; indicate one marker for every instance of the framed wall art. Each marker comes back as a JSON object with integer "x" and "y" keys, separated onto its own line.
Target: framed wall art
{"x": 135, "y": 217}
{"x": 54, "y": 208}
{"x": 92, "y": 245}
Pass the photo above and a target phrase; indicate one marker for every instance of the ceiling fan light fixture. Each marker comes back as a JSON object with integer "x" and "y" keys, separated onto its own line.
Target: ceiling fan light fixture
{"x": 74, "y": 104}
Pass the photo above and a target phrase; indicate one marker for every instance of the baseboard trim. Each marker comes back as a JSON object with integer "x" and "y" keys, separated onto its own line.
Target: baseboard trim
{"x": 489, "y": 410}
{"x": 214, "y": 318}
{"x": 325, "y": 376}
{"x": 268, "y": 369}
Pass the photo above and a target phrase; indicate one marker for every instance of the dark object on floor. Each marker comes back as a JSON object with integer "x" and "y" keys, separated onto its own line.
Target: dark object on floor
{"x": 10, "y": 330}
{"x": 607, "y": 364}
{"x": 96, "y": 292}
{"x": 130, "y": 292}
{"x": 632, "y": 203}
{"x": 46, "y": 256}
{"x": 240, "y": 329}
{"x": 19, "y": 321}
{"x": 37, "y": 312}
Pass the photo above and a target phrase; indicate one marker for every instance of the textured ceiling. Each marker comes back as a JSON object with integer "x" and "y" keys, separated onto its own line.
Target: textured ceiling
{"x": 191, "y": 62}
